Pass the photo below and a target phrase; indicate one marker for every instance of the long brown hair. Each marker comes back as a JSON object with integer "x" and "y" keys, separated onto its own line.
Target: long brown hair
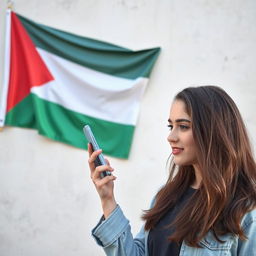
{"x": 228, "y": 169}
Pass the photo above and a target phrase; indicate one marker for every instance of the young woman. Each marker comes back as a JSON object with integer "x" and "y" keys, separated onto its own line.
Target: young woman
{"x": 208, "y": 204}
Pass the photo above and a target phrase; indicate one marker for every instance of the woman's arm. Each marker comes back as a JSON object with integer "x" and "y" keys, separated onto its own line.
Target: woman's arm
{"x": 114, "y": 235}
{"x": 113, "y": 232}
{"x": 104, "y": 186}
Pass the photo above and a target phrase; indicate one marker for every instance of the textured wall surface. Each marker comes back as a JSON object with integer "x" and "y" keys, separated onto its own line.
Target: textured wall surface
{"x": 47, "y": 202}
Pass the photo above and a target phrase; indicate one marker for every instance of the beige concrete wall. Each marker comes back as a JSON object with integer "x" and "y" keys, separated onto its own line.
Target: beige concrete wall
{"x": 47, "y": 202}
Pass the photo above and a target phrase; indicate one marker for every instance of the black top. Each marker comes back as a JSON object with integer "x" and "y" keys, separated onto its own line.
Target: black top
{"x": 158, "y": 243}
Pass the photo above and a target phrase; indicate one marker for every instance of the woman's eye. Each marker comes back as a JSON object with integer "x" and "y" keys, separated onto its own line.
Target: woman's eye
{"x": 170, "y": 126}
{"x": 184, "y": 127}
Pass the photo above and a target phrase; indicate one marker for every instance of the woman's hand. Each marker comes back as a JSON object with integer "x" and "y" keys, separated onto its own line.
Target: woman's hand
{"x": 105, "y": 185}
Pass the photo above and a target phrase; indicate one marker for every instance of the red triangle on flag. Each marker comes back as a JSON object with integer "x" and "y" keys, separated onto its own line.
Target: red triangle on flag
{"x": 27, "y": 69}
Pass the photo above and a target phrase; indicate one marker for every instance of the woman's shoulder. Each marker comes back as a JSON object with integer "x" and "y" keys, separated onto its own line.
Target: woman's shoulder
{"x": 249, "y": 219}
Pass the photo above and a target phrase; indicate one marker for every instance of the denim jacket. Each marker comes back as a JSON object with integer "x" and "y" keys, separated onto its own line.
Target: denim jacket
{"x": 114, "y": 235}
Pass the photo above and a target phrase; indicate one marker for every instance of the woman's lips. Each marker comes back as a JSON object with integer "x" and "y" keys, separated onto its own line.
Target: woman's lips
{"x": 176, "y": 150}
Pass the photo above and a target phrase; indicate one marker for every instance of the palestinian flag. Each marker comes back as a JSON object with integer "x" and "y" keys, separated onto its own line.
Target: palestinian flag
{"x": 56, "y": 82}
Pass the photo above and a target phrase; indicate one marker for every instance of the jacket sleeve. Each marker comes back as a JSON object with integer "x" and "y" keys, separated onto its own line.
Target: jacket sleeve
{"x": 248, "y": 246}
{"x": 114, "y": 235}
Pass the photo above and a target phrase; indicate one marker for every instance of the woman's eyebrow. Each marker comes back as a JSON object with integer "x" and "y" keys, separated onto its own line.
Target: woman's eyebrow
{"x": 179, "y": 120}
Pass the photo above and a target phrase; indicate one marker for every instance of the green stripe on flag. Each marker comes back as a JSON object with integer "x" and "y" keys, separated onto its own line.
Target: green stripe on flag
{"x": 66, "y": 126}
{"x": 94, "y": 54}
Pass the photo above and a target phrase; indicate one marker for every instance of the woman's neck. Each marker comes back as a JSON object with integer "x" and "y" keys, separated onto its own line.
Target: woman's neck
{"x": 198, "y": 178}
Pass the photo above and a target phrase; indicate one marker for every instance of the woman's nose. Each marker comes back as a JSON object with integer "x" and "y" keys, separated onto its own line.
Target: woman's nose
{"x": 173, "y": 136}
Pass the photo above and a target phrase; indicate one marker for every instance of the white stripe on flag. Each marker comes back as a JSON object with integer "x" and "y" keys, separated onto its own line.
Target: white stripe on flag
{"x": 91, "y": 92}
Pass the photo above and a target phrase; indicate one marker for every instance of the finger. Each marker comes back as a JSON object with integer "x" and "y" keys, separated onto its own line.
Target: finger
{"x": 89, "y": 146}
{"x": 93, "y": 157}
{"x": 102, "y": 182}
{"x": 96, "y": 174}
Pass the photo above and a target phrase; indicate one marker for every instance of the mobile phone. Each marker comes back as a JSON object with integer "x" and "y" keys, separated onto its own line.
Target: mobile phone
{"x": 100, "y": 158}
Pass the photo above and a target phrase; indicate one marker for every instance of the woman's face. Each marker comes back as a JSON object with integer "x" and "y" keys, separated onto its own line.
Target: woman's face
{"x": 181, "y": 137}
